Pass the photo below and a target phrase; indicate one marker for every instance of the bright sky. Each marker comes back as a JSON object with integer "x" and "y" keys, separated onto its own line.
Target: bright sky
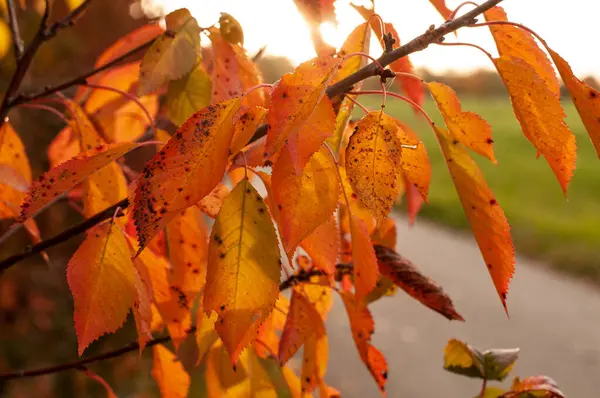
{"x": 569, "y": 27}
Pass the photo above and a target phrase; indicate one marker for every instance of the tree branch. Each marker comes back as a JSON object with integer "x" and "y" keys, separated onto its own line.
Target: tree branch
{"x": 421, "y": 42}
{"x": 14, "y": 30}
{"x": 293, "y": 280}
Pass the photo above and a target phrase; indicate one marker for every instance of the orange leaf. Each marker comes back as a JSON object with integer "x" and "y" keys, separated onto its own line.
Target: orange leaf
{"x": 304, "y": 202}
{"x": 142, "y": 310}
{"x": 406, "y": 276}
{"x": 541, "y": 116}
{"x": 512, "y": 41}
{"x": 534, "y": 386}
{"x": 322, "y": 245}
{"x": 386, "y": 235}
{"x": 233, "y": 72}
{"x": 363, "y": 326}
{"x": 357, "y": 42}
{"x": 414, "y": 200}
{"x": 245, "y": 126}
{"x": 211, "y": 203}
{"x": 197, "y": 152}
{"x": 242, "y": 282}
{"x": 585, "y": 98}
{"x": 13, "y": 158}
{"x": 205, "y": 332}
{"x": 440, "y": 6}
{"x": 365, "y": 263}
{"x": 60, "y": 179}
{"x": 415, "y": 161}
{"x": 485, "y": 215}
{"x": 101, "y": 278}
{"x": 372, "y": 162}
{"x": 314, "y": 361}
{"x": 63, "y": 147}
{"x": 172, "y": 379}
{"x": 294, "y": 100}
{"x": 128, "y": 42}
{"x": 303, "y": 321}
{"x": 467, "y": 128}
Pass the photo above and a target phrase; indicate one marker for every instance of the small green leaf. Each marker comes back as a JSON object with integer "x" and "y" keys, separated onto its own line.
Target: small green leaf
{"x": 494, "y": 364}
{"x": 499, "y": 362}
{"x": 491, "y": 392}
{"x": 189, "y": 94}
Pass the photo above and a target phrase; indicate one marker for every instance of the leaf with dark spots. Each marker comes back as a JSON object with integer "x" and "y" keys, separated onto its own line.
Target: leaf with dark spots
{"x": 185, "y": 170}
{"x": 406, "y": 276}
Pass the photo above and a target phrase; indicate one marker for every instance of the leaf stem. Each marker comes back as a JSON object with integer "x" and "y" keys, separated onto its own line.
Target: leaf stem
{"x": 469, "y": 45}
{"x": 453, "y": 15}
{"x": 400, "y": 97}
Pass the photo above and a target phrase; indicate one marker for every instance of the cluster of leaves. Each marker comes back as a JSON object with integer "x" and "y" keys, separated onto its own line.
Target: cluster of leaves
{"x": 199, "y": 251}
{"x": 496, "y": 364}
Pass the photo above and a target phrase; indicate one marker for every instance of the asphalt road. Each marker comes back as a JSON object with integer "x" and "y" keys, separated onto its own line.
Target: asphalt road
{"x": 554, "y": 319}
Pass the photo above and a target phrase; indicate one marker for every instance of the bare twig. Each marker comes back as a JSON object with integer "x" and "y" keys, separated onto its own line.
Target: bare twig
{"x": 302, "y": 276}
{"x": 14, "y": 30}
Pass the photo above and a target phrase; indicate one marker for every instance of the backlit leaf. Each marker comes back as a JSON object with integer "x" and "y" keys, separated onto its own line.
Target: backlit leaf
{"x": 14, "y": 160}
{"x": 242, "y": 282}
{"x": 363, "y": 327}
{"x": 224, "y": 379}
{"x": 534, "y": 386}
{"x": 173, "y": 54}
{"x": 467, "y": 128}
{"x": 585, "y": 98}
{"x": 189, "y": 94}
{"x": 245, "y": 127}
{"x": 205, "y": 331}
{"x": 185, "y": 170}
{"x": 101, "y": 278}
{"x": 357, "y": 42}
{"x": 233, "y": 72}
{"x": 541, "y": 116}
{"x": 304, "y": 202}
{"x": 230, "y": 29}
{"x": 512, "y": 41}
{"x": 406, "y": 276}
{"x": 60, "y": 179}
{"x": 128, "y": 42}
{"x": 294, "y": 100}
{"x": 303, "y": 321}
{"x": 316, "y": 12}
{"x": 415, "y": 161}
{"x": 142, "y": 309}
{"x": 483, "y": 212}
{"x": 322, "y": 245}
{"x": 372, "y": 162}
{"x": 440, "y": 6}
{"x": 172, "y": 379}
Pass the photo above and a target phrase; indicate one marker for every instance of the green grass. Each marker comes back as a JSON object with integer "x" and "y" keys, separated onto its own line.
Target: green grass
{"x": 545, "y": 225}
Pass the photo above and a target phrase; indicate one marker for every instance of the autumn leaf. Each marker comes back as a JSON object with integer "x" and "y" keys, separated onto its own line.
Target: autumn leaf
{"x": 303, "y": 322}
{"x": 406, "y": 276}
{"x": 463, "y": 359}
{"x": 211, "y": 203}
{"x": 585, "y": 98}
{"x": 541, "y": 116}
{"x": 304, "y": 202}
{"x": 205, "y": 332}
{"x": 414, "y": 201}
{"x": 386, "y": 234}
{"x": 142, "y": 309}
{"x": 357, "y": 42}
{"x": 316, "y": 12}
{"x": 230, "y": 29}
{"x": 233, "y": 72}
{"x": 242, "y": 281}
{"x": 245, "y": 126}
{"x": 365, "y": 263}
{"x": 222, "y": 378}
{"x": 415, "y": 163}
{"x": 515, "y": 42}
{"x": 60, "y": 179}
{"x": 188, "y": 94}
{"x": 300, "y": 117}
{"x": 483, "y": 212}
{"x": 101, "y": 278}
{"x": 197, "y": 152}
{"x": 173, "y": 54}
{"x": 172, "y": 379}
{"x": 267, "y": 339}
{"x": 15, "y": 167}
{"x": 440, "y": 6}
{"x": 467, "y": 128}
{"x": 128, "y": 42}
{"x": 372, "y": 162}
{"x": 64, "y": 146}
{"x": 534, "y": 386}
{"x": 322, "y": 245}
{"x": 363, "y": 326}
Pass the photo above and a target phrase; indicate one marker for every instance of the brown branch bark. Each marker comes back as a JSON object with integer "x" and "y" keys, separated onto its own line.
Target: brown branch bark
{"x": 286, "y": 284}
{"x": 419, "y": 43}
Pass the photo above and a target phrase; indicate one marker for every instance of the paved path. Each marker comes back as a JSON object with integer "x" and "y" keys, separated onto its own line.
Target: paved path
{"x": 555, "y": 320}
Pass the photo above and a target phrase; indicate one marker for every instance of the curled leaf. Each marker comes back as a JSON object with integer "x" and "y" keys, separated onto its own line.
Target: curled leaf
{"x": 534, "y": 386}
{"x": 463, "y": 359}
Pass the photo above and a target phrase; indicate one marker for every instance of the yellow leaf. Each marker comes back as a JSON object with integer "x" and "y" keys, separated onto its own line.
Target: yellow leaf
{"x": 466, "y": 127}
{"x": 357, "y": 42}
{"x": 483, "y": 212}
{"x": 304, "y": 202}
{"x": 172, "y": 379}
{"x": 541, "y": 116}
{"x": 13, "y": 158}
{"x": 512, "y": 41}
{"x": 246, "y": 126}
{"x": 173, "y": 54}
{"x": 185, "y": 170}
{"x": 585, "y": 98}
{"x": 205, "y": 332}
{"x": 222, "y": 378}
{"x": 242, "y": 282}
{"x": 189, "y": 94}
{"x": 230, "y": 29}
{"x": 101, "y": 278}
{"x": 5, "y": 39}
{"x": 458, "y": 354}
{"x": 372, "y": 162}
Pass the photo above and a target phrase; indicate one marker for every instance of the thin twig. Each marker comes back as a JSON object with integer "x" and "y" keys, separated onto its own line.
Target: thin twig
{"x": 14, "y": 30}
{"x": 293, "y": 280}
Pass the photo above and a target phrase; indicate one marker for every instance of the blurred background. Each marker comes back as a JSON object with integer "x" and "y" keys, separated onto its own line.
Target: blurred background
{"x": 36, "y": 327}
